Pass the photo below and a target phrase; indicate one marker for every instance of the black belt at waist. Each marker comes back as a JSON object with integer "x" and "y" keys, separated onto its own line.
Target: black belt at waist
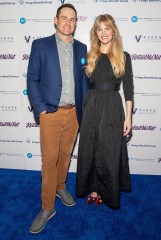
{"x": 105, "y": 85}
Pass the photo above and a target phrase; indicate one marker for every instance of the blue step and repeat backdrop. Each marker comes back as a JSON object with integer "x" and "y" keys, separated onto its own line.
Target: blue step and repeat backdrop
{"x": 22, "y": 21}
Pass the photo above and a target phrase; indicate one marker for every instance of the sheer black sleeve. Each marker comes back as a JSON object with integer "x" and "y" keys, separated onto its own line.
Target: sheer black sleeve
{"x": 127, "y": 79}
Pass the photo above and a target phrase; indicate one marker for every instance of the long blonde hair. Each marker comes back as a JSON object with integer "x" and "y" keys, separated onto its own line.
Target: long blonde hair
{"x": 115, "y": 53}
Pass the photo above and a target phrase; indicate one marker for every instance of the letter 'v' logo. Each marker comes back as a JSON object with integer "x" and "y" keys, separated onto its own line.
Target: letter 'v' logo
{"x": 30, "y": 109}
{"x": 138, "y": 38}
{"x": 62, "y": 1}
{"x": 27, "y": 39}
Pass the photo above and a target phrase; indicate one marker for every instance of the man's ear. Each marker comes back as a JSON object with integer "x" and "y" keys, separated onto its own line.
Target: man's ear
{"x": 55, "y": 20}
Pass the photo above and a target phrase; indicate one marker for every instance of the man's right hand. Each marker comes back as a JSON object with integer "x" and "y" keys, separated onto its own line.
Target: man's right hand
{"x": 44, "y": 112}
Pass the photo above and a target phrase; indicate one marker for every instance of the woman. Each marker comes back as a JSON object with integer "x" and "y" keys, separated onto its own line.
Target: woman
{"x": 102, "y": 169}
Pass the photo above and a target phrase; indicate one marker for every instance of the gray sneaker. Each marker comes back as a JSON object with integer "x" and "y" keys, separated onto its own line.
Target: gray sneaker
{"x": 65, "y": 197}
{"x": 41, "y": 220}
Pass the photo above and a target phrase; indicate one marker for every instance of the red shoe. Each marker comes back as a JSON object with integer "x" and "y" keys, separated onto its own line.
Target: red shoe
{"x": 91, "y": 199}
{"x": 99, "y": 200}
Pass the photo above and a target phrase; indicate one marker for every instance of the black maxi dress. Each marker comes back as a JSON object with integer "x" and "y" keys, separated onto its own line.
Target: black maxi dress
{"x": 102, "y": 165}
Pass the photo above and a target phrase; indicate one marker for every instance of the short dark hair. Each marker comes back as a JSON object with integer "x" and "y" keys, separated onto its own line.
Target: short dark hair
{"x": 68, "y": 5}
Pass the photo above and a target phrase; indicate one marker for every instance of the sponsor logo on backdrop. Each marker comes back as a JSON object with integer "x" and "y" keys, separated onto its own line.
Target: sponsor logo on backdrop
{"x": 11, "y": 154}
{"x": 159, "y": 160}
{"x": 24, "y": 75}
{"x": 25, "y": 57}
{"x": 148, "y": 38}
{"x": 7, "y": 2}
{"x": 7, "y": 56}
{"x": 25, "y": 92}
{"x": 22, "y": 20}
{"x": 30, "y": 155}
{"x": 30, "y": 141}
{"x": 147, "y": 77}
{"x": 82, "y": 18}
{"x": 35, "y": 20}
{"x": 8, "y": 108}
{"x": 9, "y": 124}
{"x": 10, "y": 141}
{"x": 8, "y": 76}
{"x": 29, "y": 2}
{"x": 134, "y": 110}
{"x": 72, "y": 1}
{"x": 135, "y": 19}
{"x": 143, "y": 145}
{"x": 144, "y": 111}
{"x": 7, "y": 21}
{"x": 110, "y": 1}
{"x": 31, "y": 38}
{"x": 8, "y": 92}
{"x": 142, "y": 159}
{"x": 143, "y": 94}
{"x": 6, "y": 39}
{"x": 74, "y": 156}
{"x": 144, "y": 128}
{"x": 146, "y": 57}
{"x": 30, "y": 108}
{"x": 31, "y": 125}
{"x": 122, "y": 19}
{"x": 146, "y": 1}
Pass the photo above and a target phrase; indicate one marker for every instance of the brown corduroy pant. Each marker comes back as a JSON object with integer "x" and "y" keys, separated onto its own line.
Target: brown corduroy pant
{"x": 58, "y": 132}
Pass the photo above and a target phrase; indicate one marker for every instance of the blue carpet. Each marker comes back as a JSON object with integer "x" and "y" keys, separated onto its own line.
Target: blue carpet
{"x": 138, "y": 219}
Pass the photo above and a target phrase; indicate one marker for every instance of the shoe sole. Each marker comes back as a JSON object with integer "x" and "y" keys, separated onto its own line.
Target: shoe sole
{"x": 68, "y": 205}
{"x": 52, "y": 215}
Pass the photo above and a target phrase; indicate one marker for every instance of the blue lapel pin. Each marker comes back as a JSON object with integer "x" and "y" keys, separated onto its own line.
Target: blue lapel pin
{"x": 83, "y": 60}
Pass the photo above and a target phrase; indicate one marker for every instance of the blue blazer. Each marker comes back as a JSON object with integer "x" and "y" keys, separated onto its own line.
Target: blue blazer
{"x": 44, "y": 81}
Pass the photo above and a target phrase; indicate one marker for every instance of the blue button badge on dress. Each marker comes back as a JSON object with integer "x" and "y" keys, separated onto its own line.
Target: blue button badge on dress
{"x": 83, "y": 60}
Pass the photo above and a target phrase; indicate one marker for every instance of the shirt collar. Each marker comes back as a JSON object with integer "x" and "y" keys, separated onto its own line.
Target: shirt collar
{"x": 59, "y": 40}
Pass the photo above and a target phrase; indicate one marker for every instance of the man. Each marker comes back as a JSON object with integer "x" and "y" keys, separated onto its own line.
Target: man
{"x": 56, "y": 85}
